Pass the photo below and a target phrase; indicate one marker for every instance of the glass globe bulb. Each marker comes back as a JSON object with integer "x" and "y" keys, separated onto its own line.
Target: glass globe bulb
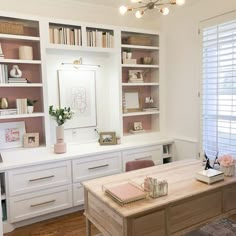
{"x": 139, "y": 14}
{"x": 180, "y": 2}
{"x": 165, "y": 11}
{"x": 123, "y": 10}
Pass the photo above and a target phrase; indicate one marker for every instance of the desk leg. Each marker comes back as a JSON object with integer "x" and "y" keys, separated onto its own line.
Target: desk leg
{"x": 88, "y": 227}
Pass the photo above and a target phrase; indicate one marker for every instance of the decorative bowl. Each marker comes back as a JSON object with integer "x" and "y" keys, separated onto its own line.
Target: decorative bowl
{"x": 146, "y": 60}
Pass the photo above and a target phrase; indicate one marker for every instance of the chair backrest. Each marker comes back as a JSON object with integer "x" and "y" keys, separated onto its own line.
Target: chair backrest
{"x": 135, "y": 165}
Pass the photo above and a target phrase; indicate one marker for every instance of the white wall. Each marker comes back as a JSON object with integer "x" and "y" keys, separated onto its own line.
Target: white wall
{"x": 73, "y": 10}
{"x": 183, "y": 64}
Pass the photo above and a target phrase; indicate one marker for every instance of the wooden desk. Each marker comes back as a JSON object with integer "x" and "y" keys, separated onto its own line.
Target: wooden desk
{"x": 189, "y": 203}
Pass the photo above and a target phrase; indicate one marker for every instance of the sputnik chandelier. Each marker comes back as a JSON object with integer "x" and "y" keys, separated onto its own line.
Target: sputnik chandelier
{"x": 142, "y": 6}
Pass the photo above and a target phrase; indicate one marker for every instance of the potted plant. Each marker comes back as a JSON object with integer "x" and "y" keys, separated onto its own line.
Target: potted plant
{"x": 30, "y": 105}
{"x": 128, "y": 53}
{"x": 60, "y": 115}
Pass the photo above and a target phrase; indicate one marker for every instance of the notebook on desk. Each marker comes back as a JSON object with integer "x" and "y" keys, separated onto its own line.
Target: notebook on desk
{"x": 125, "y": 193}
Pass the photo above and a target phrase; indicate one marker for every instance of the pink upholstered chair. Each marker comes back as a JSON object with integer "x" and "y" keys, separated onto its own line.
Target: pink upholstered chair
{"x": 135, "y": 165}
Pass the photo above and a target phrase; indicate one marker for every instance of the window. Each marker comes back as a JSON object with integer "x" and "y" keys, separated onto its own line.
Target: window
{"x": 219, "y": 89}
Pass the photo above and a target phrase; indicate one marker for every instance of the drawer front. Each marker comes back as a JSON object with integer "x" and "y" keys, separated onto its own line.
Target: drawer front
{"x": 229, "y": 196}
{"x": 39, "y": 177}
{"x": 78, "y": 195}
{"x": 99, "y": 166}
{"x": 31, "y": 205}
{"x": 154, "y": 153}
{"x": 194, "y": 211}
{"x": 152, "y": 224}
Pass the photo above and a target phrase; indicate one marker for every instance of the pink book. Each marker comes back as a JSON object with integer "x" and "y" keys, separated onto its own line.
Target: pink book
{"x": 125, "y": 193}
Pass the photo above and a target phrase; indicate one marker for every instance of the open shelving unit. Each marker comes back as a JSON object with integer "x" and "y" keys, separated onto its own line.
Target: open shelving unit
{"x": 141, "y": 46}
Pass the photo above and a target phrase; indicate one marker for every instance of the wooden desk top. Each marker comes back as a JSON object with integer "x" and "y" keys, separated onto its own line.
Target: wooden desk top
{"x": 181, "y": 185}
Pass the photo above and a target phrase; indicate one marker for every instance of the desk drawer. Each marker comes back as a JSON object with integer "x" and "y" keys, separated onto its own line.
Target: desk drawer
{"x": 31, "y": 205}
{"x": 99, "y": 166}
{"x": 78, "y": 194}
{"x": 39, "y": 177}
{"x": 194, "y": 211}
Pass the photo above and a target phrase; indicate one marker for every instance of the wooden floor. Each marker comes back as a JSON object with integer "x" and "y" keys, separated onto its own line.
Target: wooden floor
{"x": 68, "y": 225}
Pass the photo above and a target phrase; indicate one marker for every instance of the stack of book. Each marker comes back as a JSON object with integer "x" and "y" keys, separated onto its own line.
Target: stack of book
{"x": 209, "y": 176}
{"x": 103, "y": 39}
{"x": 65, "y": 35}
{"x": 3, "y": 74}
{"x": 17, "y": 80}
{"x": 125, "y": 193}
{"x": 21, "y": 105}
{"x": 6, "y": 112}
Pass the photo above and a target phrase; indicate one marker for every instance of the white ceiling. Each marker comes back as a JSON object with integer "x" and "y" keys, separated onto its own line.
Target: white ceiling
{"x": 108, "y": 3}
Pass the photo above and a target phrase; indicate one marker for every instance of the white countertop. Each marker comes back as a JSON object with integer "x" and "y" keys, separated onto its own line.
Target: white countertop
{"x": 31, "y": 156}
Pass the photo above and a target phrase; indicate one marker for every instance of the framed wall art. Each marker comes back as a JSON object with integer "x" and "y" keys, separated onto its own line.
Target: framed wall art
{"x": 77, "y": 90}
{"x": 11, "y": 134}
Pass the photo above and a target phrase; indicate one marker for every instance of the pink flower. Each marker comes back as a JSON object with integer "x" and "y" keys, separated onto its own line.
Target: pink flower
{"x": 226, "y": 160}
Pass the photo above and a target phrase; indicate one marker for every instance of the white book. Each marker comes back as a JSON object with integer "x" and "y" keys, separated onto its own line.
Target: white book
{"x": 56, "y": 35}
{"x": 79, "y": 37}
{"x": 99, "y": 39}
{"x": 209, "y": 176}
{"x": 51, "y": 35}
{"x": 76, "y": 36}
{"x": 68, "y": 36}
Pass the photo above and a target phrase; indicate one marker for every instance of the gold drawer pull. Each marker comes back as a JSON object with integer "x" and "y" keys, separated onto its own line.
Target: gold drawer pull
{"x": 96, "y": 167}
{"x": 42, "y": 203}
{"x": 46, "y": 177}
{"x": 141, "y": 158}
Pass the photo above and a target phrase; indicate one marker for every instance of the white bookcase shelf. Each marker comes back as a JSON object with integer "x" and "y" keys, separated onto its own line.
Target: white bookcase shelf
{"x": 18, "y": 61}
{"x": 140, "y": 66}
{"x": 40, "y": 114}
{"x": 19, "y": 37}
{"x": 15, "y": 85}
{"x": 139, "y": 84}
{"x": 151, "y": 48}
{"x": 140, "y": 113}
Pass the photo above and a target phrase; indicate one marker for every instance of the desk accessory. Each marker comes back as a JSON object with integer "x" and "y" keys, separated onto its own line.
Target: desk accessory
{"x": 125, "y": 193}
{"x": 209, "y": 176}
{"x": 227, "y": 165}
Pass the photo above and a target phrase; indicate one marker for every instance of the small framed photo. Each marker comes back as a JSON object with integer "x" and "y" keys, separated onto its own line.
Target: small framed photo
{"x": 138, "y": 126}
{"x": 107, "y": 138}
{"x": 31, "y": 140}
{"x": 136, "y": 75}
{"x": 11, "y": 134}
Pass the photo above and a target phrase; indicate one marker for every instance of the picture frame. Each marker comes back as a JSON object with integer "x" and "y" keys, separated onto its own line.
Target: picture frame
{"x": 138, "y": 126}
{"x": 77, "y": 90}
{"x": 136, "y": 76}
{"x": 132, "y": 101}
{"x": 11, "y": 134}
{"x": 107, "y": 138}
{"x": 31, "y": 140}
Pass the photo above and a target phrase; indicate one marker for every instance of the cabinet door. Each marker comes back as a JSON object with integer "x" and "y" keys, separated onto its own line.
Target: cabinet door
{"x": 148, "y": 153}
{"x": 78, "y": 194}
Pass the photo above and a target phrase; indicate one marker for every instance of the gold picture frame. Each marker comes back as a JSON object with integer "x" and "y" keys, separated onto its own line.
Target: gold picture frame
{"x": 107, "y": 138}
{"x": 31, "y": 140}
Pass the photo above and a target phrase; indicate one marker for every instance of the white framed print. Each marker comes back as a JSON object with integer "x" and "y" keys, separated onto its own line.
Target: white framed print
{"x": 11, "y": 134}
{"x": 77, "y": 90}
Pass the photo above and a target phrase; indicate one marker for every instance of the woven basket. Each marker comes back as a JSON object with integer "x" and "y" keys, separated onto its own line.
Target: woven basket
{"x": 11, "y": 28}
{"x": 138, "y": 40}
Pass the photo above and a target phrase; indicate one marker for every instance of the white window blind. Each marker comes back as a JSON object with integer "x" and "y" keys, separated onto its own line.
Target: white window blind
{"x": 219, "y": 89}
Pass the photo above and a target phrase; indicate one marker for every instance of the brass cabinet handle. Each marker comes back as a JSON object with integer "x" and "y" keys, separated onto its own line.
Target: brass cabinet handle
{"x": 42, "y": 203}
{"x": 96, "y": 167}
{"x": 141, "y": 158}
{"x": 42, "y": 178}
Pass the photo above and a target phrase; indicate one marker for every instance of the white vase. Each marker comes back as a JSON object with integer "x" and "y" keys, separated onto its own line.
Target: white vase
{"x": 228, "y": 170}
{"x": 60, "y": 146}
{"x": 30, "y": 109}
{"x": 129, "y": 55}
{"x": 15, "y": 72}
{"x": 25, "y": 53}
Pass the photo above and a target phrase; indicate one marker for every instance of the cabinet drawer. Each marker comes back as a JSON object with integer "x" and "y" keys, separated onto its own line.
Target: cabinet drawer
{"x": 39, "y": 177}
{"x": 154, "y": 153}
{"x": 78, "y": 194}
{"x": 31, "y": 205}
{"x": 96, "y": 166}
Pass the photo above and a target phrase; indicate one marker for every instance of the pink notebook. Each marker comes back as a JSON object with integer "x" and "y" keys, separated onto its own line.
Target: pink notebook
{"x": 125, "y": 193}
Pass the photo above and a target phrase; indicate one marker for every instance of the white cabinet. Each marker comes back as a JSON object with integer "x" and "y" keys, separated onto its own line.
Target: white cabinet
{"x": 38, "y": 203}
{"x": 78, "y": 194}
{"x": 34, "y": 178}
{"x": 154, "y": 153}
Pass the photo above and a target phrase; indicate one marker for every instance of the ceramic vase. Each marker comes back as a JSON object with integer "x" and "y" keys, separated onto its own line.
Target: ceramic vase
{"x": 129, "y": 55}
{"x": 15, "y": 72}
{"x": 60, "y": 146}
{"x": 228, "y": 170}
{"x": 4, "y": 103}
{"x": 25, "y": 53}
{"x": 30, "y": 109}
